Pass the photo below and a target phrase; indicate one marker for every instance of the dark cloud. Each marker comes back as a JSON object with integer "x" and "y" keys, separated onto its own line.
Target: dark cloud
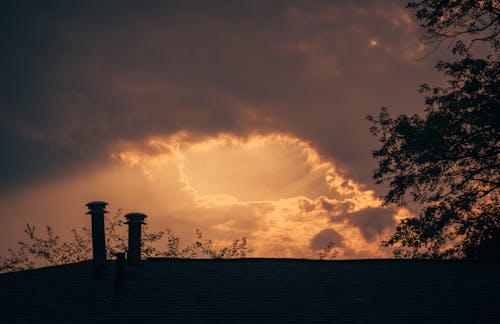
{"x": 80, "y": 76}
{"x": 31, "y": 161}
{"x": 326, "y": 206}
{"x": 321, "y": 240}
{"x": 335, "y": 207}
{"x": 370, "y": 221}
{"x": 306, "y": 205}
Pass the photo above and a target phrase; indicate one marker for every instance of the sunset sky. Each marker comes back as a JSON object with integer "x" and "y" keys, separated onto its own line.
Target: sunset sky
{"x": 240, "y": 118}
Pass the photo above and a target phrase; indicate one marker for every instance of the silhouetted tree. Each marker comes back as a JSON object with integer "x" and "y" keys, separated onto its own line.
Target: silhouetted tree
{"x": 173, "y": 247}
{"x": 47, "y": 249}
{"x": 238, "y": 249}
{"x": 329, "y": 252}
{"x": 448, "y": 160}
{"x": 462, "y": 23}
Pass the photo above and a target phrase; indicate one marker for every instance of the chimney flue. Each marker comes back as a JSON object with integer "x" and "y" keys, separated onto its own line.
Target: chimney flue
{"x": 134, "y": 221}
{"x": 97, "y": 211}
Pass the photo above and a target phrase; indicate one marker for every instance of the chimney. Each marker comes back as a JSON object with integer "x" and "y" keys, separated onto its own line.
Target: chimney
{"x": 134, "y": 221}
{"x": 96, "y": 211}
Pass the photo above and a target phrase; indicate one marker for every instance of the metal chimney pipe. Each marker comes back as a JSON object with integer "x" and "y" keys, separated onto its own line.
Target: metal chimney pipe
{"x": 134, "y": 221}
{"x": 97, "y": 211}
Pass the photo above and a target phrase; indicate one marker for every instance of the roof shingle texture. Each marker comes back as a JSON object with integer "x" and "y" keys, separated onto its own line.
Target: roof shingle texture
{"x": 258, "y": 291}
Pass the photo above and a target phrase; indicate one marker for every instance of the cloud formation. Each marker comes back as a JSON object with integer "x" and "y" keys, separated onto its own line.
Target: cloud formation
{"x": 321, "y": 240}
{"x": 80, "y": 78}
{"x": 371, "y": 221}
{"x": 198, "y": 93}
{"x": 284, "y": 206}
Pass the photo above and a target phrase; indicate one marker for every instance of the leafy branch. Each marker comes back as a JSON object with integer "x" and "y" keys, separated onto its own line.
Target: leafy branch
{"x": 47, "y": 248}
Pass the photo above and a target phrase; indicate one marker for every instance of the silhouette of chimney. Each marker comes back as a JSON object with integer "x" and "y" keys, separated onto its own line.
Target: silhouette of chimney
{"x": 134, "y": 221}
{"x": 97, "y": 211}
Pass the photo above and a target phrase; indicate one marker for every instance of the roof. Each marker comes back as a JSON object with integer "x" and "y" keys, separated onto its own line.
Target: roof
{"x": 258, "y": 290}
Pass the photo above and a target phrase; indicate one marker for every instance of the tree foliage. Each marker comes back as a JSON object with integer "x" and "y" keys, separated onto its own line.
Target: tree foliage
{"x": 448, "y": 160}
{"x": 329, "y": 252}
{"x": 47, "y": 248}
{"x": 462, "y": 23}
{"x": 237, "y": 249}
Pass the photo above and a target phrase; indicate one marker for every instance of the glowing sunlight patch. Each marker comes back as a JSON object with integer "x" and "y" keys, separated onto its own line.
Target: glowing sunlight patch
{"x": 275, "y": 189}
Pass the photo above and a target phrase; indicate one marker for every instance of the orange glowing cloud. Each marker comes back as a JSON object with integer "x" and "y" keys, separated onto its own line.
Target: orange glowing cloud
{"x": 275, "y": 189}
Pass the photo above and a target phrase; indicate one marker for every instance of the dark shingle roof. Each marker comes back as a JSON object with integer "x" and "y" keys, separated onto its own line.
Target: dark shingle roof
{"x": 258, "y": 290}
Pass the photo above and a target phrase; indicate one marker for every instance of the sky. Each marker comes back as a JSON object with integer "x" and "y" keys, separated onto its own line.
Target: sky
{"x": 239, "y": 118}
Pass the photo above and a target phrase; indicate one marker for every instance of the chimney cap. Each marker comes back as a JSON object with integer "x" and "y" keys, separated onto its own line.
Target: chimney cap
{"x": 97, "y": 205}
{"x": 135, "y": 218}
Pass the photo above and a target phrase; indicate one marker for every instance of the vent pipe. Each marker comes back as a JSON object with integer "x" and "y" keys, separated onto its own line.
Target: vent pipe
{"x": 134, "y": 221}
{"x": 119, "y": 289}
{"x": 97, "y": 211}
